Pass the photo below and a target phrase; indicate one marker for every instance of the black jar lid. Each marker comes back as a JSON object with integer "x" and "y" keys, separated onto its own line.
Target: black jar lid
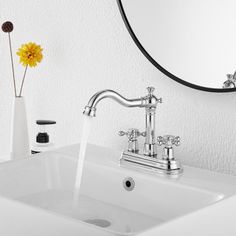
{"x": 43, "y": 137}
{"x": 45, "y": 122}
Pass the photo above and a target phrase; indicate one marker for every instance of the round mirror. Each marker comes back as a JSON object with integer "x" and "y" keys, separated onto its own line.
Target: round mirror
{"x": 192, "y": 42}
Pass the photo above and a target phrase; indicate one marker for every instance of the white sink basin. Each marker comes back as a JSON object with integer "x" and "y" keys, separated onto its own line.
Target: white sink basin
{"x": 47, "y": 180}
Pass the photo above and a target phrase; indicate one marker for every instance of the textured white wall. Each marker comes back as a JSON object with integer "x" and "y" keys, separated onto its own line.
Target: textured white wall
{"x": 87, "y": 48}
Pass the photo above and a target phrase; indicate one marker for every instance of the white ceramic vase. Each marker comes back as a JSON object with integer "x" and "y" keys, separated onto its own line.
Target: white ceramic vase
{"x": 19, "y": 134}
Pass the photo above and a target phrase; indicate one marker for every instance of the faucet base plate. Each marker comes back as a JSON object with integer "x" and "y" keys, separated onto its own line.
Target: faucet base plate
{"x": 169, "y": 167}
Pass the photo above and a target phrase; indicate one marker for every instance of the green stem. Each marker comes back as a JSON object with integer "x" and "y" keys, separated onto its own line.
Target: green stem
{"x": 23, "y": 80}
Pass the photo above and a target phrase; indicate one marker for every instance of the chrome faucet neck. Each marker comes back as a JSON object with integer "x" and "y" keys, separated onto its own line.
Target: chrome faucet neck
{"x": 150, "y": 146}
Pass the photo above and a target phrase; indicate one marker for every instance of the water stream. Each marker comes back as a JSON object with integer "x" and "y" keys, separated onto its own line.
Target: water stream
{"x": 80, "y": 164}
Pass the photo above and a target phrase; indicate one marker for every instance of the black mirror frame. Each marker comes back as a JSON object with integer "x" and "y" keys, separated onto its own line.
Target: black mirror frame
{"x": 158, "y": 66}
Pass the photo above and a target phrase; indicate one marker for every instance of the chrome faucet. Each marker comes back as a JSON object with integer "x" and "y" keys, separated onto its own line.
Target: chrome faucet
{"x": 148, "y": 158}
{"x": 230, "y": 82}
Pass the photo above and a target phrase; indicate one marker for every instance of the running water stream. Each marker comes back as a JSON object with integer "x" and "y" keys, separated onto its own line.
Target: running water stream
{"x": 80, "y": 164}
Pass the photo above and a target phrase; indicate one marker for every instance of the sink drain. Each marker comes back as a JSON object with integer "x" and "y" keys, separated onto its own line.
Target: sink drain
{"x": 128, "y": 183}
{"x": 98, "y": 222}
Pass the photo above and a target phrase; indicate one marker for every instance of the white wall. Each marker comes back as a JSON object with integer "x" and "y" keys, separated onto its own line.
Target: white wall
{"x": 87, "y": 48}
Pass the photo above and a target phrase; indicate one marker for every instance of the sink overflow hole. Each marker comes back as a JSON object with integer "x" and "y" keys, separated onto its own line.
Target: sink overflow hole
{"x": 98, "y": 222}
{"x": 128, "y": 184}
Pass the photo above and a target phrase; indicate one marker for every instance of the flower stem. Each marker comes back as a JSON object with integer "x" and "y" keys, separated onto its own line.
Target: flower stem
{"x": 23, "y": 80}
{"x": 12, "y": 64}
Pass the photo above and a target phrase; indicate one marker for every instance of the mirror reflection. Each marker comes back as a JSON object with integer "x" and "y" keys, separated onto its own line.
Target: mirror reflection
{"x": 193, "y": 40}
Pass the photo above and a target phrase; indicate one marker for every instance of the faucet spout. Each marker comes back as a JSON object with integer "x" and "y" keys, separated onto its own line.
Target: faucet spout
{"x": 90, "y": 109}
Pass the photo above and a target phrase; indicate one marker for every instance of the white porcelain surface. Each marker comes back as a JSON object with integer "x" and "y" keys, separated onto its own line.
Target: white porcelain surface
{"x": 45, "y": 184}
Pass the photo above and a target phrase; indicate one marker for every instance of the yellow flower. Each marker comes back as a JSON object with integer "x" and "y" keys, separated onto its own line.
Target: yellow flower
{"x": 30, "y": 54}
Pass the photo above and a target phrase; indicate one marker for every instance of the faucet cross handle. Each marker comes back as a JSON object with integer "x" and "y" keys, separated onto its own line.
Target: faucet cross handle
{"x": 159, "y": 100}
{"x": 168, "y": 140}
{"x": 132, "y": 134}
{"x": 150, "y": 94}
{"x": 229, "y": 76}
{"x": 150, "y": 90}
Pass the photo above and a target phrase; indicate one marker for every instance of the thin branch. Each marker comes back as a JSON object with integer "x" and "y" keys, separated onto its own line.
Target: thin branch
{"x": 23, "y": 80}
{"x": 12, "y": 64}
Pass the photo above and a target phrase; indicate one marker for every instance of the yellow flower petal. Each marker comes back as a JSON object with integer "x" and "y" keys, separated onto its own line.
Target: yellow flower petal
{"x": 30, "y": 54}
